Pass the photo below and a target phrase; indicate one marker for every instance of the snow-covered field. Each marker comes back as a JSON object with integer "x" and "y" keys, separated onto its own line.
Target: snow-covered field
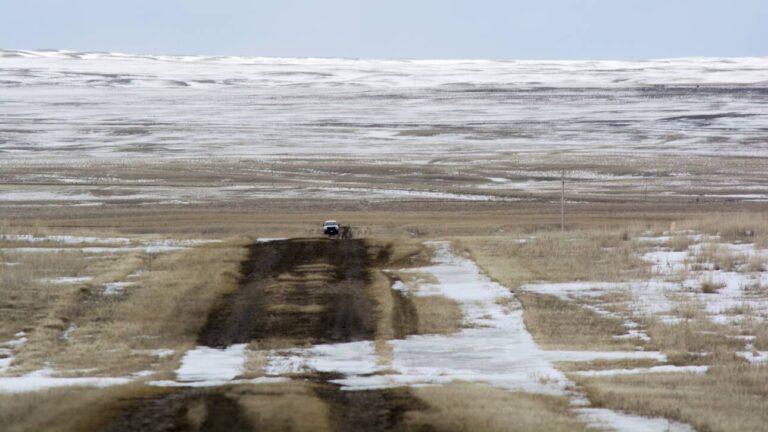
{"x": 493, "y": 346}
{"x": 495, "y": 349}
{"x": 682, "y": 281}
{"x": 75, "y": 105}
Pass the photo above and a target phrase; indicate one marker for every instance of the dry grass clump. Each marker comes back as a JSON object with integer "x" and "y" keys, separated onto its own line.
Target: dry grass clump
{"x": 734, "y": 227}
{"x": 720, "y": 257}
{"x": 69, "y": 409}
{"x": 407, "y": 253}
{"x": 694, "y": 335}
{"x": 477, "y": 407}
{"x": 761, "y": 336}
{"x": 607, "y": 364}
{"x": 437, "y": 314}
{"x": 582, "y": 255}
{"x": 709, "y": 286}
{"x": 559, "y": 324}
{"x": 732, "y": 397}
{"x": 291, "y": 406}
{"x": 679, "y": 243}
{"x": 587, "y": 254}
{"x": 385, "y": 302}
{"x": 756, "y": 263}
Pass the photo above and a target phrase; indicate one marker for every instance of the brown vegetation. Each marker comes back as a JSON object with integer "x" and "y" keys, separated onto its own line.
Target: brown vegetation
{"x": 469, "y": 407}
{"x": 732, "y": 397}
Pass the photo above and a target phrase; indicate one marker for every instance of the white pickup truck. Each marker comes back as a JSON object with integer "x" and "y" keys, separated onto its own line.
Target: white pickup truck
{"x": 331, "y": 228}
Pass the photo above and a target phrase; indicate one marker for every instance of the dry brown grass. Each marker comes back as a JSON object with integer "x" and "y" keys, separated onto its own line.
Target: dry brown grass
{"x": 682, "y": 341}
{"x": 599, "y": 254}
{"x": 437, "y": 314}
{"x": 589, "y": 254}
{"x": 709, "y": 286}
{"x": 756, "y": 263}
{"x": 721, "y": 257}
{"x": 70, "y": 409}
{"x": 679, "y": 243}
{"x": 607, "y": 364}
{"x": 291, "y": 406}
{"x": 477, "y": 407}
{"x": 583, "y": 255}
{"x": 727, "y": 398}
{"x": 379, "y": 290}
{"x": 559, "y": 324}
{"x": 164, "y": 309}
{"x": 407, "y": 253}
{"x": 761, "y": 336}
{"x": 744, "y": 227}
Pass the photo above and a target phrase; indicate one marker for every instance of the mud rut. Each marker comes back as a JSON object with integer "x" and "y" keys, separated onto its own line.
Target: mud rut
{"x": 293, "y": 291}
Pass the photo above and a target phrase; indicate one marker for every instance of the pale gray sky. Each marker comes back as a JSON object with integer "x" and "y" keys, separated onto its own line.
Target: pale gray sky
{"x": 531, "y": 29}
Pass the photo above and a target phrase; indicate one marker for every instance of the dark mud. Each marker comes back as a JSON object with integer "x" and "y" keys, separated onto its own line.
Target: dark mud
{"x": 308, "y": 289}
{"x": 186, "y": 410}
{"x": 369, "y": 410}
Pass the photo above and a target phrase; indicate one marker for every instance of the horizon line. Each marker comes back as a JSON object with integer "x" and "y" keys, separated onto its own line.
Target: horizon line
{"x": 498, "y": 59}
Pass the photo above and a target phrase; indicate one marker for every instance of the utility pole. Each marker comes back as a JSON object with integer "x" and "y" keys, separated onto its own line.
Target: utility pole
{"x": 562, "y": 201}
{"x": 645, "y": 192}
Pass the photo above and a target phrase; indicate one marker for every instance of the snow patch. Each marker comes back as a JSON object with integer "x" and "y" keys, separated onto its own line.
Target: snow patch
{"x": 605, "y": 419}
{"x": 495, "y": 348}
{"x": 653, "y": 369}
{"x": 212, "y": 365}
{"x": 115, "y": 288}
{"x": 42, "y": 380}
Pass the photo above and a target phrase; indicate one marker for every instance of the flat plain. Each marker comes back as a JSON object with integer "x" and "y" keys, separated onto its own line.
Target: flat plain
{"x": 162, "y": 266}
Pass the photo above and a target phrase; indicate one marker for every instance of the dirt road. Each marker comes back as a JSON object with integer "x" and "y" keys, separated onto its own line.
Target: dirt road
{"x": 292, "y": 293}
{"x": 307, "y": 290}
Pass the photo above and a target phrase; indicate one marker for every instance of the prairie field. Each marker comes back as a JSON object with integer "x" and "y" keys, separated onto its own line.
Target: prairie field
{"x": 651, "y": 311}
{"x": 584, "y": 248}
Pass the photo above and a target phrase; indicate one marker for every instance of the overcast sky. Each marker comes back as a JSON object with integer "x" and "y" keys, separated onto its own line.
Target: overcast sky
{"x": 530, "y": 29}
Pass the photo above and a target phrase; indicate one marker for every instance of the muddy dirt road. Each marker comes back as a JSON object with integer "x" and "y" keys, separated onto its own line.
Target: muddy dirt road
{"x": 308, "y": 290}
{"x": 292, "y": 293}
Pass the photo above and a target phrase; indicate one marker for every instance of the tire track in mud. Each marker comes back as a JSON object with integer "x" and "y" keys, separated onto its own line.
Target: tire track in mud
{"x": 299, "y": 291}
{"x": 184, "y": 410}
{"x": 308, "y": 289}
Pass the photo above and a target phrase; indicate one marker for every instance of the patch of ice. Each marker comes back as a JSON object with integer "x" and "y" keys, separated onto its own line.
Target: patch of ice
{"x": 269, "y": 239}
{"x": 163, "y": 353}
{"x": 754, "y": 356}
{"x": 634, "y": 334}
{"x": 352, "y": 358}
{"x": 65, "y": 239}
{"x": 115, "y": 288}
{"x": 38, "y": 250}
{"x": 605, "y": 419}
{"x": 636, "y": 371}
{"x": 67, "y": 280}
{"x": 147, "y": 246}
{"x": 42, "y": 380}
{"x": 649, "y": 296}
{"x": 584, "y": 356}
{"x": 496, "y": 348}
{"x": 215, "y": 383}
{"x": 666, "y": 262}
{"x": 655, "y": 240}
{"x": 398, "y": 285}
{"x": 7, "y": 349}
{"x": 204, "y": 364}
{"x": 68, "y": 332}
